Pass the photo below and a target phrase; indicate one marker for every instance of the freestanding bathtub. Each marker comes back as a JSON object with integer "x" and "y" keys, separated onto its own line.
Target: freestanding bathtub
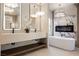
{"x": 61, "y": 42}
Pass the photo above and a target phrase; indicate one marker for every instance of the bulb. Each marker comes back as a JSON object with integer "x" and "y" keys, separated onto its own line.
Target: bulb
{"x": 40, "y": 13}
{"x": 11, "y": 5}
{"x": 13, "y": 25}
{"x": 9, "y": 10}
{"x": 59, "y": 15}
{"x": 34, "y": 15}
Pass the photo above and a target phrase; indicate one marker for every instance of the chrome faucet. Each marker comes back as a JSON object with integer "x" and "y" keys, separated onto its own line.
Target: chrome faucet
{"x": 13, "y": 30}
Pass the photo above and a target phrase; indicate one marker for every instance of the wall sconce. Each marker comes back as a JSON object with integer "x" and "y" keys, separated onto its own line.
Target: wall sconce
{"x": 39, "y": 13}
{"x": 34, "y": 13}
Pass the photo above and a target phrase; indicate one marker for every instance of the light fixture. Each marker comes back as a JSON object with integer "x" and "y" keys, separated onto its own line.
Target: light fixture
{"x": 8, "y": 9}
{"x": 11, "y": 5}
{"x": 41, "y": 13}
{"x": 59, "y": 14}
{"x": 33, "y": 15}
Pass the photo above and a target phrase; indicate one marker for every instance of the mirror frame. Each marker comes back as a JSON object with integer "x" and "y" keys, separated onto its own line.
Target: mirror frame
{"x": 4, "y": 18}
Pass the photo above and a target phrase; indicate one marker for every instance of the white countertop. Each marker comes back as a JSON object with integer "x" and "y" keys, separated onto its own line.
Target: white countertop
{"x": 6, "y": 38}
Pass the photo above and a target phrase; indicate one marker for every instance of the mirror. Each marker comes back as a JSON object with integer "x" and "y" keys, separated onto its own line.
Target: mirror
{"x": 12, "y": 16}
{"x": 35, "y": 18}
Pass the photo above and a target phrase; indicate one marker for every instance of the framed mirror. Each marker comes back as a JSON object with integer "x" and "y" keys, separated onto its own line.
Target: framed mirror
{"x": 12, "y": 16}
{"x": 35, "y": 19}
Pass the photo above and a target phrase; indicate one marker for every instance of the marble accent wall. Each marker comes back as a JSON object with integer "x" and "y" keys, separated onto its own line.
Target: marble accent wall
{"x": 70, "y": 14}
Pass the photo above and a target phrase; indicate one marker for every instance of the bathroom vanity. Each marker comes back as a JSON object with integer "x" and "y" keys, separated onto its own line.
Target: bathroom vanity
{"x": 14, "y": 24}
{"x": 19, "y": 37}
{"x": 7, "y": 38}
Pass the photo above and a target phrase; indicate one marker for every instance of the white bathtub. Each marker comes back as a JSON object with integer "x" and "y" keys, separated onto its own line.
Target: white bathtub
{"x": 62, "y": 42}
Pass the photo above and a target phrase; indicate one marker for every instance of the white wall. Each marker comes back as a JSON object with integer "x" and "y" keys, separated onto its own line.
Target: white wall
{"x": 0, "y": 19}
{"x": 44, "y": 19}
{"x": 51, "y": 24}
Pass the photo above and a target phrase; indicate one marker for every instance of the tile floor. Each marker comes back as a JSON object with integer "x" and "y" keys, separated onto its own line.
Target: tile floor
{"x": 60, "y": 52}
{"x": 39, "y": 52}
{"x": 55, "y": 52}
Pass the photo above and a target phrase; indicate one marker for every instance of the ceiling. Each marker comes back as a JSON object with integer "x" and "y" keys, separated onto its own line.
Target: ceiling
{"x": 53, "y": 6}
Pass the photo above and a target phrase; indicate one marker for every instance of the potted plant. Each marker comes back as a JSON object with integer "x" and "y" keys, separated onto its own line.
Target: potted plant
{"x": 27, "y": 30}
